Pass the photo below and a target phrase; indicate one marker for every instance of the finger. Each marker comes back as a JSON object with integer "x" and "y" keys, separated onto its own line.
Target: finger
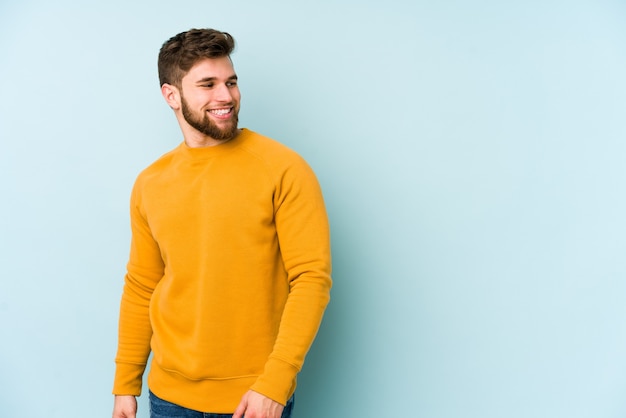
{"x": 241, "y": 408}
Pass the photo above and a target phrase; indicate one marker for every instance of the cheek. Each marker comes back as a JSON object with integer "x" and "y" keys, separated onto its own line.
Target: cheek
{"x": 236, "y": 95}
{"x": 200, "y": 98}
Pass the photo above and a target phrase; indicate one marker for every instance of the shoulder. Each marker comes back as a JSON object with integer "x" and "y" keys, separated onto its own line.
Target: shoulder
{"x": 269, "y": 150}
{"x": 283, "y": 165}
{"x": 155, "y": 169}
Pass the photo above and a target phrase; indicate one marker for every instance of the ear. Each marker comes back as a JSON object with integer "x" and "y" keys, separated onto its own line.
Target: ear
{"x": 171, "y": 95}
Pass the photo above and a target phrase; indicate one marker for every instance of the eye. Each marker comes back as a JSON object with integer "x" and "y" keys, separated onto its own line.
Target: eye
{"x": 208, "y": 85}
{"x": 231, "y": 83}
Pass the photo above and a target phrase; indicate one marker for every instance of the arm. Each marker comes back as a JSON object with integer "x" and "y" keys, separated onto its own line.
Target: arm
{"x": 144, "y": 270}
{"x": 303, "y": 233}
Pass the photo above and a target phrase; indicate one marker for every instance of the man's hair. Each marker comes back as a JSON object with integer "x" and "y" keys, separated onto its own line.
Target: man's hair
{"x": 181, "y": 52}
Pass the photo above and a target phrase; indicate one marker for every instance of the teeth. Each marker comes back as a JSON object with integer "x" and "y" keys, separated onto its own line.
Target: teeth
{"x": 220, "y": 112}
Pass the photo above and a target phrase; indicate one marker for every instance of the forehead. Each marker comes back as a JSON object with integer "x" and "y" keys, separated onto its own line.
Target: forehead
{"x": 220, "y": 68}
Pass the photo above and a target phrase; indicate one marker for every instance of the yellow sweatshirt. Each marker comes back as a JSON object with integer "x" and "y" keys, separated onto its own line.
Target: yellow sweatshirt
{"x": 228, "y": 275}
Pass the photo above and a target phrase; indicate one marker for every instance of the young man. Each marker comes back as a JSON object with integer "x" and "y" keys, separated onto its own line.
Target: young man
{"x": 229, "y": 268}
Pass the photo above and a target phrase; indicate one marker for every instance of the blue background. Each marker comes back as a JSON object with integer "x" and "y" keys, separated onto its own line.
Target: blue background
{"x": 472, "y": 158}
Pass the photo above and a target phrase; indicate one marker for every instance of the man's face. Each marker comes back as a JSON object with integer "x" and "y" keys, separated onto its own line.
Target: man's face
{"x": 210, "y": 98}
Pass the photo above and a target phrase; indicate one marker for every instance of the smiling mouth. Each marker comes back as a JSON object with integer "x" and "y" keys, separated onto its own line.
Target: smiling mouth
{"x": 221, "y": 112}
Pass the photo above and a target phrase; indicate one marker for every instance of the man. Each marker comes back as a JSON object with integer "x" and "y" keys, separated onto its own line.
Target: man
{"x": 229, "y": 268}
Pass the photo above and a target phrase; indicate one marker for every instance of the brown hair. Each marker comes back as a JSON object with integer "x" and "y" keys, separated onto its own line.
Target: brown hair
{"x": 181, "y": 52}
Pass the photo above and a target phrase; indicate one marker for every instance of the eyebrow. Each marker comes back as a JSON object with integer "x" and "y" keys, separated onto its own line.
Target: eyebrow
{"x": 209, "y": 79}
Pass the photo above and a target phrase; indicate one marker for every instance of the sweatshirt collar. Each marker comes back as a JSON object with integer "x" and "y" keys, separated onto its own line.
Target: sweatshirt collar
{"x": 208, "y": 152}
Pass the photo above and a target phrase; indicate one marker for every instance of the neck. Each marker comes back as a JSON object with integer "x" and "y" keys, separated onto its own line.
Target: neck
{"x": 196, "y": 139}
{"x": 200, "y": 141}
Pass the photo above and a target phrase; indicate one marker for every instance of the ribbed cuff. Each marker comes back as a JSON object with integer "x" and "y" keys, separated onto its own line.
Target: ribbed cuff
{"x": 128, "y": 379}
{"x": 278, "y": 381}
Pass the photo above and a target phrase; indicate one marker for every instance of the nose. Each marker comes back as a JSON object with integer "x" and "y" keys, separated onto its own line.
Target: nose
{"x": 223, "y": 93}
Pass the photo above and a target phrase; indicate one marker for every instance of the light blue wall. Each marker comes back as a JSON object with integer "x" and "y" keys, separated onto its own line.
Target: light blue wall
{"x": 472, "y": 156}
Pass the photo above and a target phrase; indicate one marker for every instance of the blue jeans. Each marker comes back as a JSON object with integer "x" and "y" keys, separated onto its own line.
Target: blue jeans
{"x": 164, "y": 409}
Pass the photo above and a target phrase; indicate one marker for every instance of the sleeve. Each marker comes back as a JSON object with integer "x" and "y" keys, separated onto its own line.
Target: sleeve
{"x": 304, "y": 239}
{"x": 144, "y": 270}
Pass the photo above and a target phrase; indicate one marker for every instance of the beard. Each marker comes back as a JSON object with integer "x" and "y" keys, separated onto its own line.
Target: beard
{"x": 204, "y": 124}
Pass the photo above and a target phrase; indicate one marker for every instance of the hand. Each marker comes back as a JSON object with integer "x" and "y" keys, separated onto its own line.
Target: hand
{"x": 255, "y": 405}
{"x": 125, "y": 406}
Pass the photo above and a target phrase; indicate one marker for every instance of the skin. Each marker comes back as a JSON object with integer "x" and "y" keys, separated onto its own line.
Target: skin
{"x": 255, "y": 405}
{"x": 211, "y": 84}
{"x": 124, "y": 406}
